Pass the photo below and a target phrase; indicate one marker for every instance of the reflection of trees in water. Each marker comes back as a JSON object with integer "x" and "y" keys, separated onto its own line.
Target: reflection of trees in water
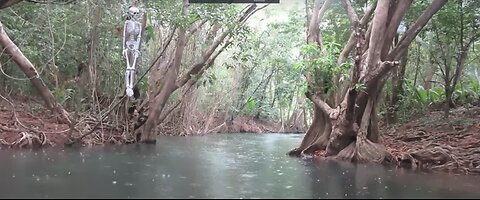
{"x": 346, "y": 180}
{"x": 375, "y": 181}
{"x": 369, "y": 181}
{"x": 179, "y": 177}
{"x": 250, "y": 169}
{"x": 333, "y": 182}
{"x": 222, "y": 167}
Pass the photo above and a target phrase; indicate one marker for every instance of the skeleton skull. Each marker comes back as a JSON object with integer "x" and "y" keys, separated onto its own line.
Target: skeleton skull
{"x": 134, "y": 12}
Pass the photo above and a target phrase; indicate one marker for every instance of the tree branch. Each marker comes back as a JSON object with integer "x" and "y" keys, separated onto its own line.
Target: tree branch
{"x": 195, "y": 68}
{"x": 352, "y": 15}
{"x": 192, "y": 81}
{"x": 207, "y": 64}
{"x": 313, "y": 29}
{"x": 394, "y": 22}
{"x": 351, "y": 41}
{"x": 383, "y": 69}
{"x": 378, "y": 30}
{"x": 321, "y": 104}
{"x": 412, "y": 32}
{"x": 252, "y": 10}
{"x": 313, "y": 33}
{"x": 194, "y": 28}
{"x": 323, "y": 10}
{"x": 398, "y": 52}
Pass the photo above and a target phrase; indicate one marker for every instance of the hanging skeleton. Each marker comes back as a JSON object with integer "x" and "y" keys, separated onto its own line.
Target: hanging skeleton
{"x": 131, "y": 44}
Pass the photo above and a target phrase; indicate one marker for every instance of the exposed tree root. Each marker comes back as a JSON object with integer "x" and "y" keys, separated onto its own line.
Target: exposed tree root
{"x": 295, "y": 152}
{"x": 433, "y": 154}
{"x": 30, "y": 137}
{"x": 4, "y": 143}
{"x": 363, "y": 151}
{"x": 319, "y": 145}
{"x": 439, "y": 158}
{"x": 313, "y": 133}
{"x": 432, "y": 144}
{"x": 4, "y": 128}
{"x": 340, "y": 139}
{"x": 27, "y": 140}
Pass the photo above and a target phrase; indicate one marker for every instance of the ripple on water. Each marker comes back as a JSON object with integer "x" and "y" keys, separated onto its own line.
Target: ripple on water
{"x": 250, "y": 175}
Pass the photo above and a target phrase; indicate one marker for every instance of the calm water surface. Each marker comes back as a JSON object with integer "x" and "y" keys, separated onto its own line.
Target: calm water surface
{"x": 215, "y": 166}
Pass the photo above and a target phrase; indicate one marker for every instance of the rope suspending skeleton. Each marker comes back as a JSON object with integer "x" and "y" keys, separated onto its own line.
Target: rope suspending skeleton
{"x": 132, "y": 35}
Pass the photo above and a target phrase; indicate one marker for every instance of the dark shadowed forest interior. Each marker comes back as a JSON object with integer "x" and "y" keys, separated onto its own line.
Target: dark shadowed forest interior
{"x": 285, "y": 92}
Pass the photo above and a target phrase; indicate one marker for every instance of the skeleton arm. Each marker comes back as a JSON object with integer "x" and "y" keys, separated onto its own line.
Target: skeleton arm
{"x": 139, "y": 37}
{"x": 124, "y": 36}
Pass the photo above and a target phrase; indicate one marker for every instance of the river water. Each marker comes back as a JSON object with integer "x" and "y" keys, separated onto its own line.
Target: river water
{"x": 214, "y": 166}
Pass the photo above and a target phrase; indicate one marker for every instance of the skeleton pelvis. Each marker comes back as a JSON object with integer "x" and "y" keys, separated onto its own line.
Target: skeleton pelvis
{"x": 132, "y": 45}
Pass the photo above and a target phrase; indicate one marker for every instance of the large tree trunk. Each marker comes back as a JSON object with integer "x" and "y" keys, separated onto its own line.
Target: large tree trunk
{"x": 27, "y": 67}
{"x": 149, "y": 135}
{"x": 448, "y": 100}
{"x": 354, "y": 134}
{"x": 314, "y": 132}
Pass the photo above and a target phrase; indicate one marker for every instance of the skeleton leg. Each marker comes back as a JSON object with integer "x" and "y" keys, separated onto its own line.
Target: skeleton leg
{"x": 129, "y": 82}
{"x": 128, "y": 79}
{"x": 135, "y": 56}
{"x": 127, "y": 74}
{"x": 131, "y": 77}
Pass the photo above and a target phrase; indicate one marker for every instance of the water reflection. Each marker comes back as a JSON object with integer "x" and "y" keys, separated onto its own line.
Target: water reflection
{"x": 216, "y": 166}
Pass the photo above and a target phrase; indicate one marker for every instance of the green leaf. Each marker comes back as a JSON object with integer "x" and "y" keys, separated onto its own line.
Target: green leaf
{"x": 360, "y": 87}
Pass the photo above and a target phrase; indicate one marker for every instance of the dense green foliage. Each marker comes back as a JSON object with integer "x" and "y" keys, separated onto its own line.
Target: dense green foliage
{"x": 260, "y": 75}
